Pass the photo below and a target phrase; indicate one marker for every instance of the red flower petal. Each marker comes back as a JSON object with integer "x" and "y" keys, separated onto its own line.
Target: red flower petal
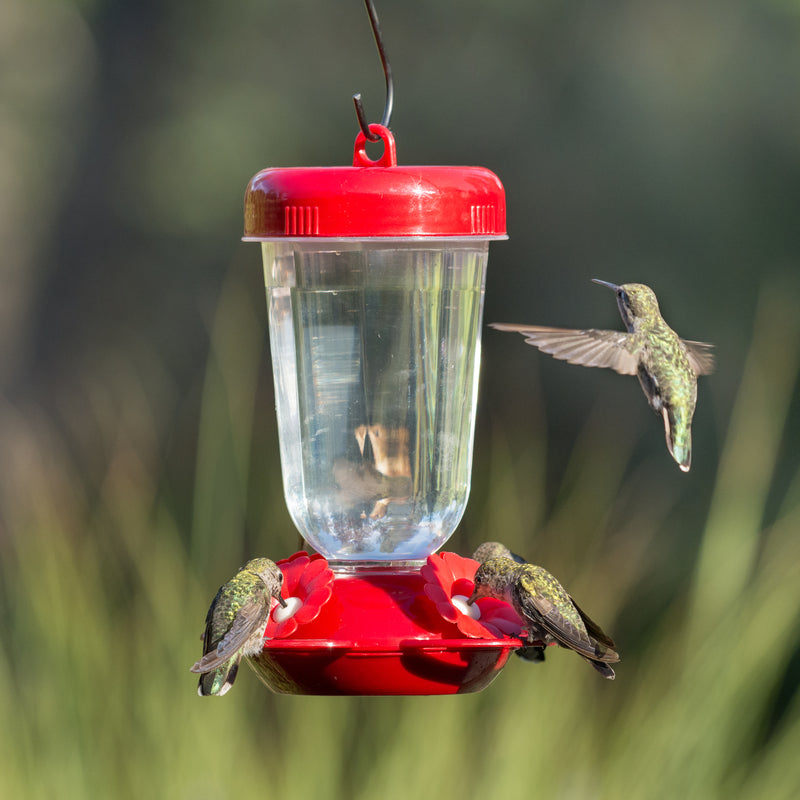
{"x": 475, "y": 630}
{"x": 463, "y": 586}
{"x": 312, "y": 605}
{"x": 500, "y": 616}
{"x": 315, "y": 568}
{"x": 441, "y": 600}
{"x": 307, "y": 579}
{"x": 283, "y": 629}
{"x": 448, "y": 575}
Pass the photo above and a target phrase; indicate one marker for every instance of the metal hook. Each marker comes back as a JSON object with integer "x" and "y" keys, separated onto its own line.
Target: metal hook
{"x": 387, "y": 71}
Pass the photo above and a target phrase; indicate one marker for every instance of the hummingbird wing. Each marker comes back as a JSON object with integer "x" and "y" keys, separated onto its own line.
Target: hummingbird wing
{"x": 543, "y": 612}
{"x": 589, "y": 347}
{"x": 593, "y": 629}
{"x": 543, "y": 601}
{"x": 571, "y": 636}
{"x": 701, "y": 359}
{"x": 250, "y": 617}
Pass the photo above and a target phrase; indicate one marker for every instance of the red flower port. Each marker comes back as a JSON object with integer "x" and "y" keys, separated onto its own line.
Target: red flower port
{"x": 307, "y": 586}
{"x": 449, "y": 584}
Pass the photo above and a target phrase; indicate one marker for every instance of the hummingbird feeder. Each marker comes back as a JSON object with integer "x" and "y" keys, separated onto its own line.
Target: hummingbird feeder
{"x": 375, "y": 279}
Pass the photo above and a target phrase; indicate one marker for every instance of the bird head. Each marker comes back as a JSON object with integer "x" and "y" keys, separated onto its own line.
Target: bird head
{"x": 494, "y": 578}
{"x": 635, "y": 300}
{"x": 268, "y": 571}
{"x": 489, "y": 550}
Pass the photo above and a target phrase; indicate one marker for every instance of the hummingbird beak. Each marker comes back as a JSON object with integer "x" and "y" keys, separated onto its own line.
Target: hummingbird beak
{"x": 473, "y": 598}
{"x": 612, "y": 286}
{"x": 280, "y": 599}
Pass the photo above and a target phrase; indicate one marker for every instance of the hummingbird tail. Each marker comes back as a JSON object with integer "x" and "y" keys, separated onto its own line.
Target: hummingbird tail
{"x": 219, "y": 681}
{"x": 679, "y": 438}
{"x": 603, "y": 668}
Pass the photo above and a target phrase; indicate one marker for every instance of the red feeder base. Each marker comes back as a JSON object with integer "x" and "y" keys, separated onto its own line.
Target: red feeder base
{"x": 378, "y": 635}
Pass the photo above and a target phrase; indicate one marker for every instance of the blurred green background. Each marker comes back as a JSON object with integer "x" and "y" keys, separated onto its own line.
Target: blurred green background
{"x": 637, "y": 140}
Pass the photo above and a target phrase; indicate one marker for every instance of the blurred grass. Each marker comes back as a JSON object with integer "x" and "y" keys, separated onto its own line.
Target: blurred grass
{"x": 103, "y": 594}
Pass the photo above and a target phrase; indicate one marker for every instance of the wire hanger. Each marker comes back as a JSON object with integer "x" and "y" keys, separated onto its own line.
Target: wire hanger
{"x": 387, "y": 71}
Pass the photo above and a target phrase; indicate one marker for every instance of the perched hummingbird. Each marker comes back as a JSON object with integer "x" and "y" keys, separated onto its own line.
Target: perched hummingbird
{"x": 235, "y": 624}
{"x": 487, "y": 550}
{"x": 550, "y": 613}
{"x": 667, "y": 365}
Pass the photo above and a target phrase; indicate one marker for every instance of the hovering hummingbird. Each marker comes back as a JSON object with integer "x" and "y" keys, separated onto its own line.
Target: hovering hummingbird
{"x": 549, "y": 612}
{"x": 235, "y": 624}
{"x": 667, "y": 365}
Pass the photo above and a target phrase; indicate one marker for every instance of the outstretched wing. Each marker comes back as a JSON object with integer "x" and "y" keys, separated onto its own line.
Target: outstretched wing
{"x": 701, "y": 358}
{"x": 250, "y": 617}
{"x": 589, "y": 348}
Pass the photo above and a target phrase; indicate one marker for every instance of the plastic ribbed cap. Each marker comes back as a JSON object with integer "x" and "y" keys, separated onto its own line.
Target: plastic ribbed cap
{"x": 375, "y": 199}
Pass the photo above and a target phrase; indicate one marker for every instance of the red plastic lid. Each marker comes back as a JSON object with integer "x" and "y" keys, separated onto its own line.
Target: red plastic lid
{"x": 375, "y": 199}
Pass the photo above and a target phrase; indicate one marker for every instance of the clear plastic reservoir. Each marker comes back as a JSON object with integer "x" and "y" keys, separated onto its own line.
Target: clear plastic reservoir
{"x": 376, "y": 352}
